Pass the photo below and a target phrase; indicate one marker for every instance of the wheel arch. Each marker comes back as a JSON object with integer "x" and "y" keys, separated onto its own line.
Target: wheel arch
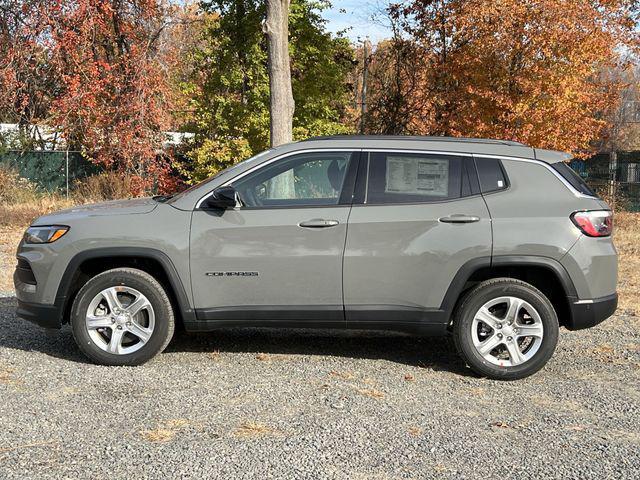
{"x": 88, "y": 263}
{"x": 546, "y": 274}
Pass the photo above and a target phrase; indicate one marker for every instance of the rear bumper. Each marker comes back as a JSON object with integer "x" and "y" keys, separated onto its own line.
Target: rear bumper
{"x": 588, "y": 313}
{"x": 46, "y": 316}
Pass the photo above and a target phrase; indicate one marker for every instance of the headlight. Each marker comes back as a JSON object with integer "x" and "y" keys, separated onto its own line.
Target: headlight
{"x": 48, "y": 234}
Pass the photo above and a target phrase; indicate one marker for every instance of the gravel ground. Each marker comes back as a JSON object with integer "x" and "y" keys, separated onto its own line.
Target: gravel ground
{"x": 315, "y": 404}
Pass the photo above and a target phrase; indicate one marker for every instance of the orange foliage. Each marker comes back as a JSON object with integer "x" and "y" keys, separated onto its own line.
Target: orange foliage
{"x": 527, "y": 70}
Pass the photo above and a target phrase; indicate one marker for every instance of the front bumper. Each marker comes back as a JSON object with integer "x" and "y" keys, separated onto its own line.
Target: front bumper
{"x": 588, "y": 313}
{"x": 46, "y": 316}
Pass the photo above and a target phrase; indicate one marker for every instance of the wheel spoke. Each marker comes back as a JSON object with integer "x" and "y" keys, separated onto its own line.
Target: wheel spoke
{"x": 140, "y": 303}
{"x": 515, "y": 304}
{"x": 534, "y": 330}
{"x": 94, "y": 322}
{"x": 489, "y": 344}
{"x": 485, "y": 316}
{"x": 141, "y": 332}
{"x": 515, "y": 355}
{"x": 115, "y": 344}
{"x": 111, "y": 296}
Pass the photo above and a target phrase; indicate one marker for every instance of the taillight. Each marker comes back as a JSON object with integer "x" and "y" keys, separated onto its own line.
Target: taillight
{"x": 596, "y": 223}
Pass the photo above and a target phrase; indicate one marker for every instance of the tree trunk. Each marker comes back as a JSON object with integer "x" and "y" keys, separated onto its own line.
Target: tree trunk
{"x": 281, "y": 97}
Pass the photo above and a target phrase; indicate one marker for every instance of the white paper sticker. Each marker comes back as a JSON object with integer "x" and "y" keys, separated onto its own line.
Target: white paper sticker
{"x": 417, "y": 176}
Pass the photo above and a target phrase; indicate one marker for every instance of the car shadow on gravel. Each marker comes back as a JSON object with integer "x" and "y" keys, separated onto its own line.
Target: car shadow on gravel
{"x": 434, "y": 353}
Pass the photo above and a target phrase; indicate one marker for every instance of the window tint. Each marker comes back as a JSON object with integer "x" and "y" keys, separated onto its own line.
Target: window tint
{"x": 490, "y": 174}
{"x": 305, "y": 179}
{"x": 573, "y": 178}
{"x": 413, "y": 178}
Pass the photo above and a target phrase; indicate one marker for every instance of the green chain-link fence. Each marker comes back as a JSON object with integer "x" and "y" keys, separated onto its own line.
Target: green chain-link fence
{"x": 615, "y": 177}
{"x": 49, "y": 170}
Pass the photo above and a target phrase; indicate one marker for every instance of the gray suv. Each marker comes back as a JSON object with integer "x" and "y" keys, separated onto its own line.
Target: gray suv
{"x": 492, "y": 242}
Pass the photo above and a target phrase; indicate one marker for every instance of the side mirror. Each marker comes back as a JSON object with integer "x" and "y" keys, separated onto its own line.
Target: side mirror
{"x": 223, "y": 198}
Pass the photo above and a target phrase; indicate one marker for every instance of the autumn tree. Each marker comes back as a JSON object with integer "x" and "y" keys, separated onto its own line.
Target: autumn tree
{"x": 523, "y": 70}
{"x": 27, "y": 83}
{"x": 114, "y": 102}
{"x": 393, "y": 84}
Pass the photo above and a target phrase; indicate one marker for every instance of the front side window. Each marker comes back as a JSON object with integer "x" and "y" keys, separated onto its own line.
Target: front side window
{"x": 303, "y": 179}
{"x": 413, "y": 178}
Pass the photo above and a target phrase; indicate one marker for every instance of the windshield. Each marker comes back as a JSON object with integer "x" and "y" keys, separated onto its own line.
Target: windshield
{"x": 173, "y": 198}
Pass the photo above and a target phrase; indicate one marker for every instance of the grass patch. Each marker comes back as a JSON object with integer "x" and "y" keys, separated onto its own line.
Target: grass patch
{"x": 6, "y": 376}
{"x": 370, "y": 392}
{"x": 626, "y": 236}
{"x": 166, "y": 431}
{"x": 268, "y": 357}
{"x": 253, "y": 429}
{"x": 342, "y": 375}
{"x": 158, "y": 435}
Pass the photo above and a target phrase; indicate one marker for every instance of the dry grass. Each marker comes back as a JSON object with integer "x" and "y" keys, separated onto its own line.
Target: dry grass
{"x": 166, "y": 431}
{"x": 104, "y": 186}
{"x": 158, "y": 435}
{"x": 343, "y": 375}
{"x": 627, "y": 239}
{"x": 370, "y": 392}
{"x": 22, "y": 214}
{"x": 6, "y": 376}
{"x": 253, "y": 429}
{"x": 268, "y": 357}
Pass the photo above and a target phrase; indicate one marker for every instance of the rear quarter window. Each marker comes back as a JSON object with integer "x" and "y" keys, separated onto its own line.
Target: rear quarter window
{"x": 573, "y": 178}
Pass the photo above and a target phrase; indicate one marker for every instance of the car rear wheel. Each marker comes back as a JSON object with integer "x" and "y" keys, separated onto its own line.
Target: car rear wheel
{"x": 122, "y": 317}
{"x": 505, "y": 329}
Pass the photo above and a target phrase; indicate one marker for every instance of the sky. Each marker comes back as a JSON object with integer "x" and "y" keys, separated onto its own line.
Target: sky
{"x": 358, "y": 19}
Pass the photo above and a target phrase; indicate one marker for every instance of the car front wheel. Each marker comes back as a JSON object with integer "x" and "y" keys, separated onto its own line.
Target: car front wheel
{"x": 122, "y": 317}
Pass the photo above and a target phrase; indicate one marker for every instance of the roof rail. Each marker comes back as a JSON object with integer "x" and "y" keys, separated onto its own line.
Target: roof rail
{"x": 420, "y": 138}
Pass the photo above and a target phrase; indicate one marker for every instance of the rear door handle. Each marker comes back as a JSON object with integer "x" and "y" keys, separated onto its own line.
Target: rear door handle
{"x": 318, "y": 223}
{"x": 460, "y": 218}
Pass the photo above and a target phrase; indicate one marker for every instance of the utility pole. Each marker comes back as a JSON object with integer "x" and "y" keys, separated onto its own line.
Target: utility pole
{"x": 363, "y": 99}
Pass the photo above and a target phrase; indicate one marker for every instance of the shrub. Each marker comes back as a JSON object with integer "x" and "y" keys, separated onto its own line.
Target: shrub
{"x": 14, "y": 189}
{"x": 103, "y": 186}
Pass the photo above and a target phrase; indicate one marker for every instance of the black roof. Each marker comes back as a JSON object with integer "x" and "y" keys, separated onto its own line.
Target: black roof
{"x": 420, "y": 138}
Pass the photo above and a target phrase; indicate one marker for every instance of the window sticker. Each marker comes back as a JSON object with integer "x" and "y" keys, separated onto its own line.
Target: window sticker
{"x": 417, "y": 176}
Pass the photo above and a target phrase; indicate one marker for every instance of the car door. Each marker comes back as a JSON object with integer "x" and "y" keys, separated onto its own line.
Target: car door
{"x": 417, "y": 219}
{"x": 278, "y": 257}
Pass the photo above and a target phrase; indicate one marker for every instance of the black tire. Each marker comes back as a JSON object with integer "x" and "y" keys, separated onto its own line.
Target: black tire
{"x": 471, "y": 303}
{"x": 143, "y": 283}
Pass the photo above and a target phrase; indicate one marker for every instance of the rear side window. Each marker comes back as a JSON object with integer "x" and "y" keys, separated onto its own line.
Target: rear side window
{"x": 573, "y": 178}
{"x": 413, "y": 178}
{"x": 490, "y": 174}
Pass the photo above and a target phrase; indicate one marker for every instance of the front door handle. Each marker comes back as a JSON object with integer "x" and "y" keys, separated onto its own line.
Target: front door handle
{"x": 318, "y": 223}
{"x": 460, "y": 218}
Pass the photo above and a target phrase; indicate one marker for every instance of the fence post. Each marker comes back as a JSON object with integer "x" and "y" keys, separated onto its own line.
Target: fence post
{"x": 67, "y": 172}
{"x": 613, "y": 168}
